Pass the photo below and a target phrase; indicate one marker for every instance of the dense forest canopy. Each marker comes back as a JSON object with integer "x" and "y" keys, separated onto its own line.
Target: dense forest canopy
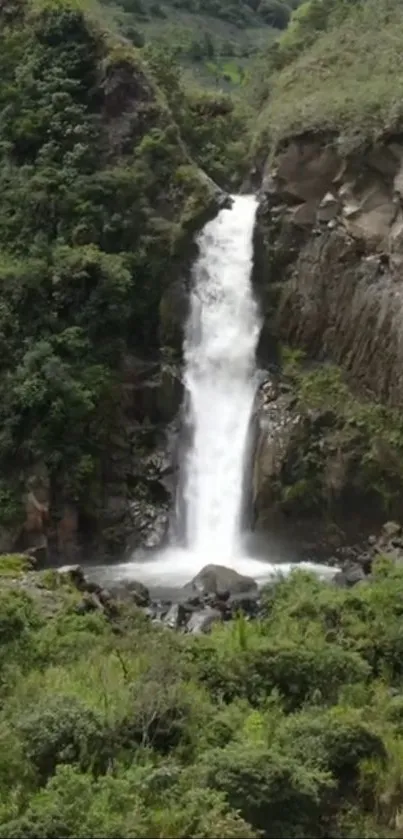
{"x": 91, "y": 209}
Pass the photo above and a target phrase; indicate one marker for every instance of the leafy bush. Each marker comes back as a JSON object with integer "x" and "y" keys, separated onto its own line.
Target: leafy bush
{"x": 88, "y": 219}
{"x": 273, "y": 792}
{"x": 290, "y": 725}
{"x": 297, "y": 673}
{"x": 63, "y": 731}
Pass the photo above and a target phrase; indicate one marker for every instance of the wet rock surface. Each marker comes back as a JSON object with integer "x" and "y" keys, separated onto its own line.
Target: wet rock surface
{"x": 203, "y": 602}
{"x": 329, "y": 253}
{"x": 217, "y": 579}
{"x": 356, "y": 561}
{"x": 311, "y": 484}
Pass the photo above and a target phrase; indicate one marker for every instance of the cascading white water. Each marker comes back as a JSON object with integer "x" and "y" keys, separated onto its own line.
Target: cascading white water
{"x": 221, "y": 338}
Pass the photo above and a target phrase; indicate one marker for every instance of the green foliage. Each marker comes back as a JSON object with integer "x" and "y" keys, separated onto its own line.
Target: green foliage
{"x": 276, "y": 793}
{"x": 17, "y": 615}
{"x": 342, "y": 431}
{"x": 89, "y": 217}
{"x": 203, "y": 33}
{"x": 320, "y": 74}
{"x": 62, "y": 731}
{"x": 211, "y": 124}
{"x": 13, "y": 565}
{"x": 270, "y": 664}
{"x": 287, "y": 726}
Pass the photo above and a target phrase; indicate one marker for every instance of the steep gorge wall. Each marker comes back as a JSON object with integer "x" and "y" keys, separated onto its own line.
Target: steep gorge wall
{"x": 329, "y": 268}
{"x": 332, "y": 268}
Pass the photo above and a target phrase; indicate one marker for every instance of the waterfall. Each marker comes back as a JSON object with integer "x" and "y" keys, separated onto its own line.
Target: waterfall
{"x": 219, "y": 354}
{"x": 220, "y": 383}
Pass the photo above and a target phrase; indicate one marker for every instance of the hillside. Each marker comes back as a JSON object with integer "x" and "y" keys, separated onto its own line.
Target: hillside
{"x": 328, "y": 144}
{"x": 337, "y": 69}
{"x": 213, "y": 41}
{"x": 99, "y": 201}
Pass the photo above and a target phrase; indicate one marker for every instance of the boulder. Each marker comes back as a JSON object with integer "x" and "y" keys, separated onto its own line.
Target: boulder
{"x": 213, "y": 579}
{"x": 89, "y": 603}
{"x": 350, "y": 575}
{"x": 132, "y": 590}
{"x": 73, "y": 574}
{"x": 247, "y": 603}
{"x": 175, "y": 617}
{"x": 202, "y": 621}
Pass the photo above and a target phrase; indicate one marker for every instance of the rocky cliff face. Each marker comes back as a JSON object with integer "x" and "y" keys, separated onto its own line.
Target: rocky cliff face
{"x": 330, "y": 268}
{"x": 333, "y": 230}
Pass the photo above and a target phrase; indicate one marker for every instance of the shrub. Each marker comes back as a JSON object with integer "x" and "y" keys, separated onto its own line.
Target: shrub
{"x": 297, "y": 671}
{"x": 272, "y": 791}
{"x": 63, "y": 730}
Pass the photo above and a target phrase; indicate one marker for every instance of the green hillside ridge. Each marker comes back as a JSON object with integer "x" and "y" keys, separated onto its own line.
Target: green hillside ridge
{"x": 98, "y": 196}
{"x": 214, "y": 41}
{"x": 337, "y": 69}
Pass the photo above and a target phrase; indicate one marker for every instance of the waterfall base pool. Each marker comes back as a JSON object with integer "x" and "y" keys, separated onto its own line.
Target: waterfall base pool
{"x": 174, "y": 567}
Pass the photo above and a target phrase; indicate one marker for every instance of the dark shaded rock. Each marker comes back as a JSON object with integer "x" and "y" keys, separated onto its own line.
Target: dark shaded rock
{"x": 92, "y": 587}
{"x": 365, "y": 561}
{"x": 149, "y": 525}
{"x": 202, "y": 621}
{"x": 74, "y": 574}
{"x": 89, "y": 603}
{"x": 246, "y": 603}
{"x": 176, "y": 616}
{"x": 131, "y": 590}
{"x": 213, "y": 579}
{"x": 223, "y": 596}
{"x": 193, "y": 602}
{"x": 173, "y": 313}
{"x": 350, "y": 576}
{"x": 138, "y": 593}
{"x": 39, "y": 554}
{"x": 105, "y": 596}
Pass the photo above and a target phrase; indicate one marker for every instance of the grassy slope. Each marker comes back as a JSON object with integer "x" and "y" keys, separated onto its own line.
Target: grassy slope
{"x": 234, "y": 41}
{"x": 350, "y": 80}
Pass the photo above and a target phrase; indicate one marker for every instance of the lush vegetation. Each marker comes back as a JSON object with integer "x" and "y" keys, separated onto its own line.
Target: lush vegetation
{"x": 346, "y": 454}
{"x": 287, "y": 726}
{"x": 212, "y": 125}
{"x": 331, "y": 71}
{"x": 98, "y": 196}
{"x": 213, "y": 40}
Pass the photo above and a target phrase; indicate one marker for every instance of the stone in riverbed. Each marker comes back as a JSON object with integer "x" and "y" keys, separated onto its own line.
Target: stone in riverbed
{"x": 351, "y": 574}
{"x": 73, "y": 574}
{"x": 175, "y": 617}
{"x": 248, "y": 603}
{"x": 202, "y": 621}
{"x": 215, "y": 579}
{"x": 132, "y": 590}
